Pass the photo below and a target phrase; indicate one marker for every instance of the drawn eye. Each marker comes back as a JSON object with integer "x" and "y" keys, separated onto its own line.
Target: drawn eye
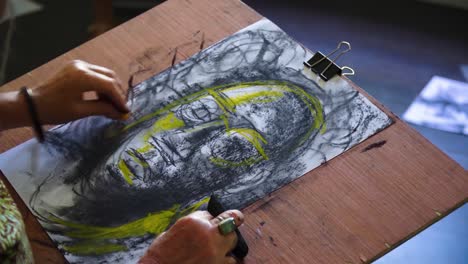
{"x": 238, "y": 147}
{"x": 200, "y": 111}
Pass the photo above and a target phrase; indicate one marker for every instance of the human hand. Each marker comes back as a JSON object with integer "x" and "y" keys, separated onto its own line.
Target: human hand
{"x": 60, "y": 99}
{"x": 195, "y": 239}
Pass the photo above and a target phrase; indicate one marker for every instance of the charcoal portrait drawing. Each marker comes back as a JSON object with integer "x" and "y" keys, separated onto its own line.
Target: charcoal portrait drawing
{"x": 239, "y": 119}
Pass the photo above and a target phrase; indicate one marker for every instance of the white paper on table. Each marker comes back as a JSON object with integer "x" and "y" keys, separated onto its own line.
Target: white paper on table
{"x": 442, "y": 104}
{"x": 464, "y": 70}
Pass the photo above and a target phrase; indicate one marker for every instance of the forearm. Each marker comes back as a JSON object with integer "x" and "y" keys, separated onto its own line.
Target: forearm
{"x": 13, "y": 110}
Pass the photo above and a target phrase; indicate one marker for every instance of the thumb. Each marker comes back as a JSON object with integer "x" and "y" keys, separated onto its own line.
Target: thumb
{"x": 101, "y": 107}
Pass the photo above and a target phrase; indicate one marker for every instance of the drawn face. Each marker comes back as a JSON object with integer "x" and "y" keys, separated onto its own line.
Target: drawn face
{"x": 102, "y": 195}
{"x": 227, "y": 127}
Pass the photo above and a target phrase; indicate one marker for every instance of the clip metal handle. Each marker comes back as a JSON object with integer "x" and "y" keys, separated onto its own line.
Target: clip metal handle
{"x": 350, "y": 73}
{"x": 338, "y": 56}
{"x": 325, "y": 66}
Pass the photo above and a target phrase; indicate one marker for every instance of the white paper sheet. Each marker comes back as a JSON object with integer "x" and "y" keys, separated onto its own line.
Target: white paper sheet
{"x": 442, "y": 104}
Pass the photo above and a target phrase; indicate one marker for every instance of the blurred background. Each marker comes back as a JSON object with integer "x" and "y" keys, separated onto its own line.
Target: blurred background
{"x": 398, "y": 47}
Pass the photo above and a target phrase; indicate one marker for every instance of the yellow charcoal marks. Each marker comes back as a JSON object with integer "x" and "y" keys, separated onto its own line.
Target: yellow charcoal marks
{"x": 203, "y": 126}
{"x": 184, "y": 100}
{"x": 168, "y": 122}
{"x": 312, "y": 103}
{"x": 142, "y": 163}
{"x": 242, "y": 85}
{"x": 253, "y": 137}
{"x": 198, "y": 95}
{"x": 147, "y": 147}
{"x": 95, "y": 236}
{"x": 225, "y": 120}
{"x": 275, "y": 90}
{"x": 192, "y": 208}
{"x": 127, "y": 174}
{"x": 269, "y": 91}
{"x": 266, "y": 96}
{"x": 224, "y": 103}
{"x": 153, "y": 224}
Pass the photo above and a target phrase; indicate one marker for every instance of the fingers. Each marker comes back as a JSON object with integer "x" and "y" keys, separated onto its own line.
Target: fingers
{"x": 103, "y": 79}
{"x": 99, "y": 107}
{"x": 229, "y": 240}
{"x": 108, "y": 89}
{"x": 109, "y": 73}
{"x": 99, "y": 69}
{"x": 230, "y": 260}
{"x": 102, "y": 70}
{"x": 202, "y": 215}
{"x": 203, "y": 227}
{"x": 236, "y": 214}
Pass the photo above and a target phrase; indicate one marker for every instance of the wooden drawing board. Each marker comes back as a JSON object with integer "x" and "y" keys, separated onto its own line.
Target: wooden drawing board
{"x": 351, "y": 209}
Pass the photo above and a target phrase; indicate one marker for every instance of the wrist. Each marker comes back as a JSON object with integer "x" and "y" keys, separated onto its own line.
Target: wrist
{"x": 13, "y": 110}
{"x": 37, "y": 99}
{"x": 33, "y": 113}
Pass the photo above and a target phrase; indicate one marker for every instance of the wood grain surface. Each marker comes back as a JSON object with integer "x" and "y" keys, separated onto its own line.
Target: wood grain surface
{"x": 351, "y": 209}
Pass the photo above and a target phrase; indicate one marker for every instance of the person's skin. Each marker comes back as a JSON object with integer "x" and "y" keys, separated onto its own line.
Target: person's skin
{"x": 192, "y": 239}
{"x": 61, "y": 98}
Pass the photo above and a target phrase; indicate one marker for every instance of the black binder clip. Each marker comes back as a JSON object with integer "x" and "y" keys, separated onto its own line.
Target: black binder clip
{"x": 325, "y": 67}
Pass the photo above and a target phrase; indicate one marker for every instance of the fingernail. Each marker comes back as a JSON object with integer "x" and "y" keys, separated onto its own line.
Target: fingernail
{"x": 125, "y": 116}
{"x": 125, "y": 109}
